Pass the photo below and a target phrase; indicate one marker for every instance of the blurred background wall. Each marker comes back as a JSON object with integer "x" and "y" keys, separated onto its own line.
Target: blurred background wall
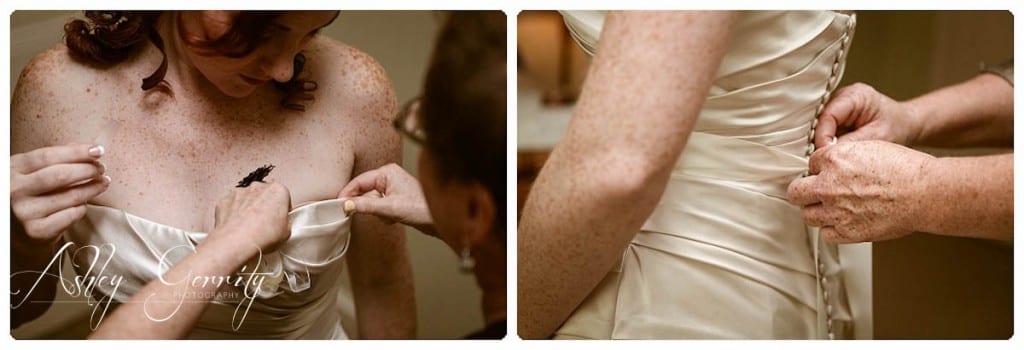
{"x": 448, "y": 302}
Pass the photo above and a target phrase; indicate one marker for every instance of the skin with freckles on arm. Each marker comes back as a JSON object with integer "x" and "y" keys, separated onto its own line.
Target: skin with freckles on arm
{"x": 379, "y": 265}
{"x": 873, "y": 190}
{"x": 645, "y": 88}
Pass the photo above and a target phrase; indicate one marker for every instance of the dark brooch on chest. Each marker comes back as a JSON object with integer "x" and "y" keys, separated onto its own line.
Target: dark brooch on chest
{"x": 256, "y": 175}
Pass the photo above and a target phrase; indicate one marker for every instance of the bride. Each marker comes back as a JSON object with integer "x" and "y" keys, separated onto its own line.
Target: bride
{"x": 222, "y": 93}
{"x": 662, "y": 213}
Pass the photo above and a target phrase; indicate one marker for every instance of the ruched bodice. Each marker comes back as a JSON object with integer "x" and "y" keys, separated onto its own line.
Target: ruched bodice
{"x": 297, "y": 289}
{"x": 724, "y": 254}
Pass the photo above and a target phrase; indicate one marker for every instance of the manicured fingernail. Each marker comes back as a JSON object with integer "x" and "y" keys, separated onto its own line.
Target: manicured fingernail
{"x": 103, "y": 167}
{"x": 97, "y": 151}
{"x": 106, "y": 179}
{"x": 349, "y": 206}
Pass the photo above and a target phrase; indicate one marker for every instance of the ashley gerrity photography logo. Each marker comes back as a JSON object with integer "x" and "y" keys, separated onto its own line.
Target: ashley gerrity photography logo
{"x": 100, "y": 289}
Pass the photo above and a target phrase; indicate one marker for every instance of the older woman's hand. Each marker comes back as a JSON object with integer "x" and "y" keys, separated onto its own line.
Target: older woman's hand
{"x": 863, "y": 191}
{"x": 859, "y": 112}
{"x": 390, "y": 193}
{"x": 257, "y": 214}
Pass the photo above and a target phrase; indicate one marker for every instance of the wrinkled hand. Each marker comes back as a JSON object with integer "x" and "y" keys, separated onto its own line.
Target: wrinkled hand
{"x": 858, "y": 112}
{"x": 50, "y": 186}
{"x": 862, "y": 191}
{"x": 256, "y": 214}
{"x": 390, "y": 193}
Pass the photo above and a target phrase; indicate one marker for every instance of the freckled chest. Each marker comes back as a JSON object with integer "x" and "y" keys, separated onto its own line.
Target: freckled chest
{"x": 171, "y": 162}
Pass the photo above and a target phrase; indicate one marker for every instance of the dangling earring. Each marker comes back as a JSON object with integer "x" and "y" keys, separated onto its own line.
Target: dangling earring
{"x": 466, "y": 262}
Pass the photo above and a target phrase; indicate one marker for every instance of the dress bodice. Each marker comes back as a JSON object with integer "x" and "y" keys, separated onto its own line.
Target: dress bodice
{"x": 293, "y": 293}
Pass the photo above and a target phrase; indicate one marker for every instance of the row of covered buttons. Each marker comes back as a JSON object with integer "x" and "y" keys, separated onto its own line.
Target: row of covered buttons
{"x": 833, "y": 81}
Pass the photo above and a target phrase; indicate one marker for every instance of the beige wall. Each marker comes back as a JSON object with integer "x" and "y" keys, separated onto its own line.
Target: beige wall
{"x": 927, "y": 286}
{"x": 448, "y": 303}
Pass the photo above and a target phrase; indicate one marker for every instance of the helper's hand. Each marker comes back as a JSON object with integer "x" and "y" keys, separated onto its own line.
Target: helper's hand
{"x": 390, "y": 193}
{"x": 863, "y": 191}
{"x": 50, "y": 186}
{"x": 858, "y": 112}
{"x": 256, "y": 214}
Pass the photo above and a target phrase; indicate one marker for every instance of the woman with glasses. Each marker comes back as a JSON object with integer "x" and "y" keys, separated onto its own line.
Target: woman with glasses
{"x": 460, "y": 123}
{"x": 127, "y": 135}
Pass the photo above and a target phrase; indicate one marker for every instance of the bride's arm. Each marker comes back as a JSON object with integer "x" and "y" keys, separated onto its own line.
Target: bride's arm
{"x": 379, "y": 266}
{"x": 645, "y": 88}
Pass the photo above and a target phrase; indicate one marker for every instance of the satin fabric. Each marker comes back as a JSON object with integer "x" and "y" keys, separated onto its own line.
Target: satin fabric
{"x": 297, "y": 298}
{"x": 724, "y": 254}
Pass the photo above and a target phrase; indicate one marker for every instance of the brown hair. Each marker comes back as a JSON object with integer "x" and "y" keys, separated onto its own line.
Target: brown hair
{"x": 109, "y": 37}
{"x": 463, "y": 107}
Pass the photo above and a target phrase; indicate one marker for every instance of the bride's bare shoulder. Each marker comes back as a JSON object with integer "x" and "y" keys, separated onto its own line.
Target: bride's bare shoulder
{"x": 355, "y": 92}
{"x": 350, "y": 80}
{"x": 49, "y": 95}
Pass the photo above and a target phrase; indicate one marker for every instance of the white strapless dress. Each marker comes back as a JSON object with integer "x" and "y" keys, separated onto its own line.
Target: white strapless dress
{"x": 724, "y": 254}
{"x": 296, "y": 301}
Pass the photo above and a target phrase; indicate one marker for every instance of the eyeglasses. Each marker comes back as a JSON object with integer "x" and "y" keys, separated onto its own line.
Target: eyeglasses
{"x": 407, "y": 122}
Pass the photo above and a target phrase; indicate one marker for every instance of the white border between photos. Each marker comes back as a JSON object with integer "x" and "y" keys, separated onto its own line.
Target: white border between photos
{"x": 511, "y": 9}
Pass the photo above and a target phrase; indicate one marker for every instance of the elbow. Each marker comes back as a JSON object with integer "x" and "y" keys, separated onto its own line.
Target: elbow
{"x": 634, "y": 174}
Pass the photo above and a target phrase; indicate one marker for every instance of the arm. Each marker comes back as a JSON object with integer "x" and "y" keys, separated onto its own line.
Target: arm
{"x": 969, "y": 197}
{"x": 378, "y": 259}
{"x": 978, "y": 112}
{"x": 641, "y": 99}
{"x": 139, "y": 317}
{"x": 250, "y": 221}
{"x": 47, "y": 190}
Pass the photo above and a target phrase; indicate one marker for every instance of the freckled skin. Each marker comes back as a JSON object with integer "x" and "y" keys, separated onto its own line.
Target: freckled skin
{"x": 172, "y": 158}
{"x": 869, "y": 188}
{"x": 641, "y": 99}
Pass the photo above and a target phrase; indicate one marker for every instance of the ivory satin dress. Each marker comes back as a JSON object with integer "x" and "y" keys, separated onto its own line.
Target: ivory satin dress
{"x": 296, "y": 300}
{"x": 724, "y": 254}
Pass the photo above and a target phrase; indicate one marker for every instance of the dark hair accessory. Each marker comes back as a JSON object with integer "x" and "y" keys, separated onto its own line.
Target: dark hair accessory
{"x": 256, "y": 175}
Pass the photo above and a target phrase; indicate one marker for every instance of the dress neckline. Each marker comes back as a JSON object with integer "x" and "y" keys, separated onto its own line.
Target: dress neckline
{"x": 119, "y": 211}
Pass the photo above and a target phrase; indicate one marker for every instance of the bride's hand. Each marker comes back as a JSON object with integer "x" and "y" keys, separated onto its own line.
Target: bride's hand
{"x": 390, "y": 193}
{"x": 256, "y": 214}
{"x": 50, "y": 186}
{"x": 858, "y": 112}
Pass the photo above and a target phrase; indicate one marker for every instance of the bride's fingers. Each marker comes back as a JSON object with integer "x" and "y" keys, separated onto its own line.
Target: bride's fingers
{"x": 59, "y": 176}
{"x": 800, "y": 191}
{"x": 51, "y": 203}
{"x": 43, "y": 157}
{"x": 49, "y": 227}
{"x": 365, "y": 182}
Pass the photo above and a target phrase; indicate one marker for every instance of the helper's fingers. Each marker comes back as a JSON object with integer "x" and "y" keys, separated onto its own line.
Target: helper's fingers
{"x": 382, "y": 208}
{"x": 824, "y": 131}
{"x": 59, "y": 176}
{"x": 817, "y": 162}
{"x": 801, "y": 191}
{"x": 373, "y": 180}
{"x": 815, "y": 215}
{"x": 836, "y": 236}
{"x": 47, "y": 156}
